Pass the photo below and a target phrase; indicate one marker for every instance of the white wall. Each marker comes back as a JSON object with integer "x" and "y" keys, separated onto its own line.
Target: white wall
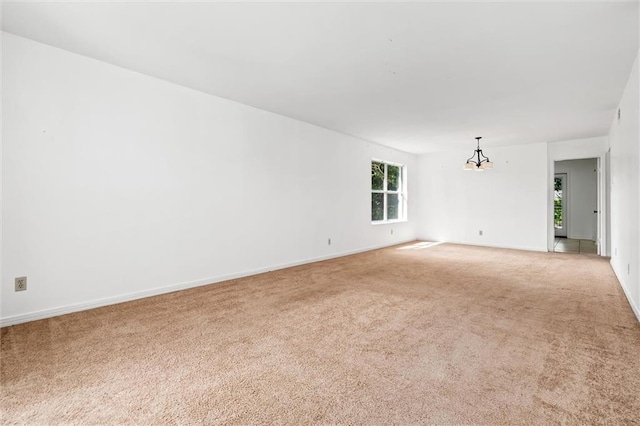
{"x": 581, "y": 192}
{"x": 624, "y": 137}
{"x": 578, "y": 149}
{"x": 508, "y": 203}
{"x": 1, "y": 161}
{"x": 117, "y": 185}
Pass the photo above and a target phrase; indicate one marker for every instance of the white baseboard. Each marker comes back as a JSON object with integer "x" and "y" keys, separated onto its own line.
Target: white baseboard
{"x": 97, "y": 303}
{"x": 542, "y": 249}
{"x": 634, "y": 307}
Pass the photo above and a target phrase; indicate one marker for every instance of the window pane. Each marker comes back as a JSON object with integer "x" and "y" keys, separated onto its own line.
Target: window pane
{"x": 557, "y": 203}
{"x": 392, "y": 206}
{"x": 377, "y": 206}
{"x": 377, "y": 175}
{"x": 393, "y": 178}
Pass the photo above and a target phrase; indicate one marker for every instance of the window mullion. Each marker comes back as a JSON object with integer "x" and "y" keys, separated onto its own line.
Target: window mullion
{"x": 384, "y": 198}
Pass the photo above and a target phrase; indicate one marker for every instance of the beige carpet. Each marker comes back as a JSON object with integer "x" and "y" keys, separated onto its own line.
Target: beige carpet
{"x": 446, "y": 334}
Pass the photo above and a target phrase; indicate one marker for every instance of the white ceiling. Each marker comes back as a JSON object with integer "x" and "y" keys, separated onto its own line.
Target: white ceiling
{"x": 415, "y": 76}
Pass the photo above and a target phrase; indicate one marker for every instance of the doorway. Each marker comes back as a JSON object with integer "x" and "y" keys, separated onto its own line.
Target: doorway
{"x": 576, "y": 222}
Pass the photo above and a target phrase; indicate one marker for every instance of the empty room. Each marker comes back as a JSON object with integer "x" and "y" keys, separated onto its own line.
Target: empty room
{"x": 320, "y": 212}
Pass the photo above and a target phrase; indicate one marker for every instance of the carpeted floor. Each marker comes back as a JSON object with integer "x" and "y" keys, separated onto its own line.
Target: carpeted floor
{"x": 444, "y": 334}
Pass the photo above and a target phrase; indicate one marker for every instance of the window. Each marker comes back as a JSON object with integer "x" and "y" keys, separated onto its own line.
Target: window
{"x": 388, "y": 194}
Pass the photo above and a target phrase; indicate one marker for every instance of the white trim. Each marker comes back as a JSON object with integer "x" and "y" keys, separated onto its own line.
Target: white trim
{"x": 388, "y": 222}
{"x": 634, "y": 307}
{"x": 97, "y": 303}
{"x": 500, "y": 246}
{"x": 387, "y": 162}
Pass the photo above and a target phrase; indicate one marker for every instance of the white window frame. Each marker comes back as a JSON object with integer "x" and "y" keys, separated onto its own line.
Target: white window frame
{"x": 401, "y": 192}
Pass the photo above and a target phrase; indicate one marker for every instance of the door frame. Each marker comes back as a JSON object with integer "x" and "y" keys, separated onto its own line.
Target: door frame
{"x": 602, "y": 242}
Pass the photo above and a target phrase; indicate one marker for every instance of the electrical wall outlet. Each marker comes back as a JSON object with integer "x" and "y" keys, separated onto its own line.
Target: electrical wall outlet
{"x": 21, "y": 283}
{"x": 329, "y": 241}
{"x": 480, "y": 232}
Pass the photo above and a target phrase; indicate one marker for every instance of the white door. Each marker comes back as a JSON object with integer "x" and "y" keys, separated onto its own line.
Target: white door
{"x": 560, "y": 204}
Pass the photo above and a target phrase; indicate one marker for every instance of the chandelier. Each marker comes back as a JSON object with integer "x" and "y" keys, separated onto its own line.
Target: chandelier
{"x": 478, "y": 161}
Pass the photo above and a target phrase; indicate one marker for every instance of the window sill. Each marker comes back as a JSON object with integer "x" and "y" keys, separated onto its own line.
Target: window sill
{"x": 388, "y": 222}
